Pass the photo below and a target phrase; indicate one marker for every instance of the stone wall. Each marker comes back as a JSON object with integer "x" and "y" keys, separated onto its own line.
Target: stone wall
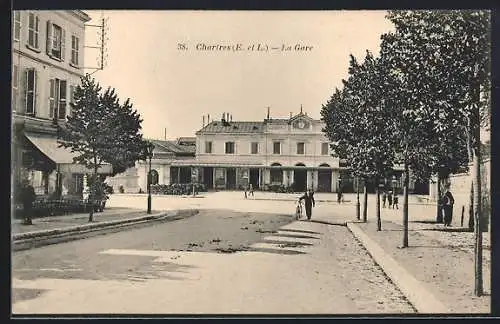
{"x": 460, "y": 187}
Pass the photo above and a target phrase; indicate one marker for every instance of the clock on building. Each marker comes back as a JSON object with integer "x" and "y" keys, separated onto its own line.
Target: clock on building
{"x": 301, "y": 124}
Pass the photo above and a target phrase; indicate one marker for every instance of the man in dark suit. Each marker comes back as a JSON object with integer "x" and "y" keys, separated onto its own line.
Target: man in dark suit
{"x": 448, "y": 201}
{"x": 308, "y": 198}
{"x": 28, "y": 196}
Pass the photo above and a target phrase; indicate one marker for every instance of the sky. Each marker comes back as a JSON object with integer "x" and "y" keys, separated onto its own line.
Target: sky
{"x": 174, "y": 88}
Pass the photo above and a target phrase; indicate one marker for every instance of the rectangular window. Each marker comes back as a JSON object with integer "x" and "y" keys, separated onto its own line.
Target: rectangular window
{"x": 208, "y": 147}
{"x": 300, "y": 147}
{"x": 56, "y": 41}
{"x": 276, "y": 148}
{"x": 33, "y": 30}
{"x": 31, "y": 84}
{"x": 15, "y": 86}
{"x": 229, "y": 147}
{"x": 57, "y": 98}
{"x": 324, "y": 148}
{"x": 16, "y": 26}
{"x": 77, "y": 183}
{"x": 255, "y": 148}
{"x": 75, "y": 49}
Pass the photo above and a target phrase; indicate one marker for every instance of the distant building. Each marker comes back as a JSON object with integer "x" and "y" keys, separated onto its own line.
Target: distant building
{"x": 165, "y": 153}
{"x": 47, "y": 64}
{"x": 290, "y": 152}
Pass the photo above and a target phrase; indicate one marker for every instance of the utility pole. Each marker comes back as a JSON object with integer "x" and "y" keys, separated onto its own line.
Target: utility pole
{"x": 101, "y": 47}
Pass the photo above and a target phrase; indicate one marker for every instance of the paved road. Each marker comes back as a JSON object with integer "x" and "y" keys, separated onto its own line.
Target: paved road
{"x": 219, "y": 261}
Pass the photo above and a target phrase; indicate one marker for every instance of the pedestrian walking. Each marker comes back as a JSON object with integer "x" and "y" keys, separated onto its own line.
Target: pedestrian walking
{"x": 339, "y": 195}
{"x": 384, "y": 198}
{"x": 395, "y": 200}
{"x": 28, "y": 196}
{"x": 309, "y": 202}
{"x": 251, "y": 190}
{"x": 448, "y": 201}
{"x": 245, "y": 190}
{"x": 389, "y": 199}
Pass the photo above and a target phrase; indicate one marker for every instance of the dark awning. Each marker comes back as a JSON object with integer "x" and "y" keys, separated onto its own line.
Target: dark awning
{"x": 63, "y": 157}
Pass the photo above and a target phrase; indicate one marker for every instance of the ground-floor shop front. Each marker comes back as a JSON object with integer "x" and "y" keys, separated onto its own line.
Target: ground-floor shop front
{"x": 297, "y": 178}
{"x": 48, "y": 168}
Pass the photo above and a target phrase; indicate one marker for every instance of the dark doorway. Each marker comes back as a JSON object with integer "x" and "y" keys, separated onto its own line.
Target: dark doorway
{"x": 231, "y": 179}
{"x": 208, "y": 177}
{"x": 254, "y": 178}
{"x": 324, "y": 179}
{"x": 300, "y": 179}
{"x": 185, "y": 175}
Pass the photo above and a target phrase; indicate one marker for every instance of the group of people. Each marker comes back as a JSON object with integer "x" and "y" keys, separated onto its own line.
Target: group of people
{"x": 391, "y": 198}
{"x": 250, "y": 191}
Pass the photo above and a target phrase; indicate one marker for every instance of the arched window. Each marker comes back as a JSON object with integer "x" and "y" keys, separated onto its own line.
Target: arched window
{"x": 324, "y": 165}
{"x": 154, "y": 177}
{"x": 300, "y": 164}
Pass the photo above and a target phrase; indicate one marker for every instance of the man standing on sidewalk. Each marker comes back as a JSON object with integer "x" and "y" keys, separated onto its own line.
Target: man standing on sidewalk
{"x": 28, "y": 196}
{"x": 308, "y": 198}
{"x": 448, "y": 202}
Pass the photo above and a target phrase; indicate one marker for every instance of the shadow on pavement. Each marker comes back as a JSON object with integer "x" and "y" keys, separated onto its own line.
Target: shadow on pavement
{"x": 275, "y": 251}
{"x": 287, "y": 243}
{"x": 22, "y": 294}
{"x": 298, "y": 231}
{"x": 296, "y": 236}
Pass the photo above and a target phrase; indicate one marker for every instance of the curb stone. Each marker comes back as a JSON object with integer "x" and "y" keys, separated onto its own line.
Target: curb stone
{"x": 109, "y": 224}
{"x": 423, "y": 300}
{"x": 72, "y": 234}
{"x": 43, "y": 233}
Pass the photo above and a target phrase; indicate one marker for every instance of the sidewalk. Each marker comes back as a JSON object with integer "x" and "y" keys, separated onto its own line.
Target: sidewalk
{"x": 63, "y": 221}
{"x": 441, "y": 261}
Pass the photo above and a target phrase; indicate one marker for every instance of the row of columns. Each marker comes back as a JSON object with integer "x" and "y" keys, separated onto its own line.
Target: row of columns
{"x": 312, "y": 176}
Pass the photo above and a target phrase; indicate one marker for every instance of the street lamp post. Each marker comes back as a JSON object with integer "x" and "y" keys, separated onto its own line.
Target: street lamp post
{"x": 394, "y": 183}
{"x": 358, "y": 205}
{"x": 149, "y": 148}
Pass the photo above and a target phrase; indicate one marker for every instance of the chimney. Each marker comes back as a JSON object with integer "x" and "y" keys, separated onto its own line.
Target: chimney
{"x": 223, "y": 117}
{"x": 208, "y": 119}
{"x": 301, "y": 108}
{"x": 268, "y": 112}
{"x": 231, "y": 117}
{"x": 290, "y": 115}
{"x": 203, "y": 121}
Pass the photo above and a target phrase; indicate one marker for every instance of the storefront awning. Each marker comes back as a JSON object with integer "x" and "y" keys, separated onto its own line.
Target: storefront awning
{"x": 63, "y": 157}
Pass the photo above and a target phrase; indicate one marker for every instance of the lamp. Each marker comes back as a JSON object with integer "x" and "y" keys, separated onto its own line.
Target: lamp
{"x": 149, "y": 154}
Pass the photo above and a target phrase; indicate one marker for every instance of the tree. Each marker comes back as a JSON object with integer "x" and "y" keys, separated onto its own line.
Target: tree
{"x": 445, "y": 57}
{"x": 100, "y": 130}
{"x": 359, "y": 125}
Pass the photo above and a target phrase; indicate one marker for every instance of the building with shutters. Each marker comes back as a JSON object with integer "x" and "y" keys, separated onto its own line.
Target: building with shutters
{"x": 47, "y": 64}
{"x": 292, "y": 152}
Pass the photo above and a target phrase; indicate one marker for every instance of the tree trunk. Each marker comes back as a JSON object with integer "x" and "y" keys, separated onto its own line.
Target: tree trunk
{"x": 91, "y": 199}
{"x": 439, "y": 211}
{"x": 405, "y": 205}
{"x": 365, "y": 202}
{"x": 471, "y": 207}
{"x": 478, "y": 260}
{"x": 93, "y": 191}
{"x": 377, "y": 192}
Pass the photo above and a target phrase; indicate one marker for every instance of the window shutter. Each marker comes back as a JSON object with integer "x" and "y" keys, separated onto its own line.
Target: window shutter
{"x": 62, "y": 100}
{"x": 49, "y": 38}
{"x": 35, "y": 92}
{"x": 63, "y": 44}
{"x": 37, "y": 31}
{"x": 26, "y": 89}
{"x": 51, "y": 98}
